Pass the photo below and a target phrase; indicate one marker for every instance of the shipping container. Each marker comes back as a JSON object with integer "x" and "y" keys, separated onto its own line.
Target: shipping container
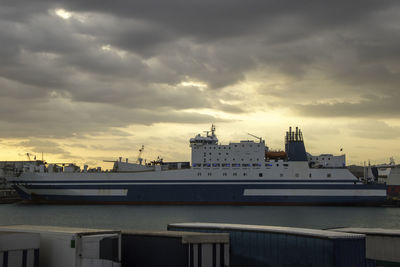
{"x": 19, "y": 249}
{"x": 174, "y": 249}
{"x": 382, "y": 245}
{"x": 74, "y": 247}
{"x": 257, "y": 245}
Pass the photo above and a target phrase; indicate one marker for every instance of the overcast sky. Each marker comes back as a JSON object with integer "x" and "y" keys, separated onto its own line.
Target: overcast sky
{"x": 89, "y": 80}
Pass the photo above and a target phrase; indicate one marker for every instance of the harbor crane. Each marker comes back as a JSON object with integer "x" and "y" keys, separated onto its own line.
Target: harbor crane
{"x": 28, "y": 155}
{"x": 260, "y": 138}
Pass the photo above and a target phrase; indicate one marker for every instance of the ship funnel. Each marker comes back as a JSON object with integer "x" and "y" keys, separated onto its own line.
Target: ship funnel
{"x": 294, "y": 145}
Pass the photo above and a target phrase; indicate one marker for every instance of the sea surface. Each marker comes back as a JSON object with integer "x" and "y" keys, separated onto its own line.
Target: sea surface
{"x": 158, "y": 217}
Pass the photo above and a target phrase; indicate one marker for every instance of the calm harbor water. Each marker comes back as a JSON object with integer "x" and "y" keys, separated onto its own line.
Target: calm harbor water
{"x": 157, "y": 217}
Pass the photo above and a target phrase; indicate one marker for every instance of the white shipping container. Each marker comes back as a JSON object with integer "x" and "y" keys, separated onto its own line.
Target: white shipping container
{"x": 19, "y": 249}
{"x": 75, "y": 247}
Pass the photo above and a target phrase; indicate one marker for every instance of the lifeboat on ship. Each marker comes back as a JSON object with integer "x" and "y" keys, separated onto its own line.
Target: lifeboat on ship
{"x": 275, "y": 155}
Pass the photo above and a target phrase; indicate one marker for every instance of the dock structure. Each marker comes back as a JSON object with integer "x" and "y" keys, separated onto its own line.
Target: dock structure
{"x": 175, "y": 249}
{"x": 382, "y": 245}
{"x": 7, "y": 193}
{"x": 8, "y": 196}
{"x": 256, "y": 245}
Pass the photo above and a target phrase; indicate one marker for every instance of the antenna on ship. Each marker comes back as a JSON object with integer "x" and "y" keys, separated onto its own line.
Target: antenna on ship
{"x": 212, "y": 131}
{"x": 139, "y": 157}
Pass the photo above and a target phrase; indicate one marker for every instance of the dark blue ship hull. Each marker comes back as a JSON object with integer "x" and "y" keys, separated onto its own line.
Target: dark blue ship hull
{"x": 200, "y": 192}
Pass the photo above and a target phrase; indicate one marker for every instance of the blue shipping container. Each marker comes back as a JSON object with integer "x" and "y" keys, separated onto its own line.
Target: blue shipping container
{"x": 256, "y": 245}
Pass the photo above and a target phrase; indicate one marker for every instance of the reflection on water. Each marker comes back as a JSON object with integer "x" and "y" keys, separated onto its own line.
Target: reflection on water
{"x": 157, "y": 217}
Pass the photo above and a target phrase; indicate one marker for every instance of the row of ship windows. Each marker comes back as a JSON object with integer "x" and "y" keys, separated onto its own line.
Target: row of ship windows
{"x": 316, "y": 158}
{"x": 205, "y": 154}
{"x": 223, "y": 147}
{"x": 205, "y": 159}
{"x": 260, "y": 174}
{"x": 216, "y": 165}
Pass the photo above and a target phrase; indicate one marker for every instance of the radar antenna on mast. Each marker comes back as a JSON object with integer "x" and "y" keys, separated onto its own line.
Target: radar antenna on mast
{"x": 139, "y": 157}
{"x": 212, "y": 131}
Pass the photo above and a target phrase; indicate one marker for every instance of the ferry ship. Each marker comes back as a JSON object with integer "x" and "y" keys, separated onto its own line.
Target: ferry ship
{"x": 243, "y": 173}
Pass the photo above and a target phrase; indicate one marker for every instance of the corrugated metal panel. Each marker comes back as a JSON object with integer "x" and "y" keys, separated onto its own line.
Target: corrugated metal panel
{"x": 349, "y": 252}
{"x": 283, "y": 246}
{"x": 175, "y": 249}
{"x": 138, "y": 251}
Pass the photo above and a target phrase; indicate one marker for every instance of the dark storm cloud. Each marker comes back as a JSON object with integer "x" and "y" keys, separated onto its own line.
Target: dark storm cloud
{"x": 117, "y": 63}
{"x": 373, "y": 129}
{"x": 220, "y": 19}
{"x": 40, "y": 146}
{"x": 59, "y": 118}
{"x": 370, "y": 106}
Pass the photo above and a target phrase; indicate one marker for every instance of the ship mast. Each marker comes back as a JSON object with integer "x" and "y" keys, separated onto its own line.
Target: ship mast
{"x": 212, "y": 131}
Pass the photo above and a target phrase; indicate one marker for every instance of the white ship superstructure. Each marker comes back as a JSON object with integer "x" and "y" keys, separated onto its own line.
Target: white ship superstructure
{"x": 384, "y": 170}
{"x": 327, "y": 161}
{"x": 235, "y": 173}
{"x": 389, "y": 174}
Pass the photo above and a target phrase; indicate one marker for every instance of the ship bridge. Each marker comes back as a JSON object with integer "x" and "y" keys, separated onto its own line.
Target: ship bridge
{"x": 209, "y": 139}
{"x": 206, "y": 152}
